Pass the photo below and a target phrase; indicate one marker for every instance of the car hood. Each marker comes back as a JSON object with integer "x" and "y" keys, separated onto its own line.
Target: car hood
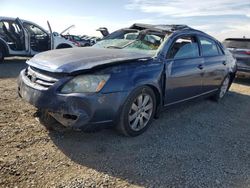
{"x": 78, "y": 59}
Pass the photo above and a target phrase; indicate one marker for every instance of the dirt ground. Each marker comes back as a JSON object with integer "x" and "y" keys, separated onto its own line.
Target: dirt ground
{"x": 199, "y": 144}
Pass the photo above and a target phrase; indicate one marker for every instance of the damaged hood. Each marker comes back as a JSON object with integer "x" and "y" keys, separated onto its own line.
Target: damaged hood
{"x": 76, "y": 59}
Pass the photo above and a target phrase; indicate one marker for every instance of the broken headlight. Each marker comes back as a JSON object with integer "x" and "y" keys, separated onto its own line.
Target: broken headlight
{"x": 85, "y": 84}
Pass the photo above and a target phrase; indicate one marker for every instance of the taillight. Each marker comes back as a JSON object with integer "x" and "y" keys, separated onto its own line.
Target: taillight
{"x": 245, "y": 52}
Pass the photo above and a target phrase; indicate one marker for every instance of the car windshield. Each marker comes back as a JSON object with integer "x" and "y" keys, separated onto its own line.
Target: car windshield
{"x": 237, "y": 43}
{"x": 133, "y": 39}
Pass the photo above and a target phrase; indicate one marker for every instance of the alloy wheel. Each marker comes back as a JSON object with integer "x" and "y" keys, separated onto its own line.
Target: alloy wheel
{"x": 140, "y": 112}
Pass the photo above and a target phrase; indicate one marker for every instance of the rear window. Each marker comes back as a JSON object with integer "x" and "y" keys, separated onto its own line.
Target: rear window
{"x": 237, "y": 43}
{"x": 208, "y": 47}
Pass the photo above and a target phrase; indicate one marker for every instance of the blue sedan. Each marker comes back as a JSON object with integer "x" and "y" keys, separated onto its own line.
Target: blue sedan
{"x": 127, "y": 78}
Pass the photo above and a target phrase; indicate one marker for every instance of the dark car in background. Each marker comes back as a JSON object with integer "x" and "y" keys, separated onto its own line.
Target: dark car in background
{"x": 240, "y": 48}
{"x": 127, "y": 78}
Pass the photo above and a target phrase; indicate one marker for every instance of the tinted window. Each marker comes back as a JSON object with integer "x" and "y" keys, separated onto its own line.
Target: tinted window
{"x": 184, "y": 47}
{"x": 208, "y": 47}
{"x": 8, "y": 25}
{"x": 8, "y": 29}
{"x": 237, "y": 43}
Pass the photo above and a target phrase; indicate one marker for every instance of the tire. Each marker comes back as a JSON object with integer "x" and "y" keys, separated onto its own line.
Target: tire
{"x": 223, "y": 89}
{"x": 1, "y": 54}
{"x": 137, "y": 112}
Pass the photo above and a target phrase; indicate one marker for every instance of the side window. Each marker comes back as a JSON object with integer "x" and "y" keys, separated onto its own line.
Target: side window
{"x": 16, "y": 27}
{"x": 34, "y": 30}
{"x": 208, "y": 47}
{"x": 184, "y": 47}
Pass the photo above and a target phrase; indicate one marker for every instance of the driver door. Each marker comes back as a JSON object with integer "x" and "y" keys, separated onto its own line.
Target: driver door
{"x": 24, "y": 36}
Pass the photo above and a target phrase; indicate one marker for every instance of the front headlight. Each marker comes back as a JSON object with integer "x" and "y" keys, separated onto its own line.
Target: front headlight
{"x": 85, "y": 84}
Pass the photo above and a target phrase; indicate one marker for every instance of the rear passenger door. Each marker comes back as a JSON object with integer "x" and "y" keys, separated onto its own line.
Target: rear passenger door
{"x": 214, "y": 64}
{"x": 184, "y": 69}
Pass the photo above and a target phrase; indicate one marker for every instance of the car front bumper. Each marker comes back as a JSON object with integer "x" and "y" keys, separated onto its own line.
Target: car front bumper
{"x": 76, "y": 110}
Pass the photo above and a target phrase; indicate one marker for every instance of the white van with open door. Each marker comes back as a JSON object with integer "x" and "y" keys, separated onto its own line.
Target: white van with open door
{"x": 24, "y": 38}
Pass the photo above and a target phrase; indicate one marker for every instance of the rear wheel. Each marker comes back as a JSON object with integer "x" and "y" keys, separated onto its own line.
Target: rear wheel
{"x": 223, "y": 89}
{"x": 137, "y": 112}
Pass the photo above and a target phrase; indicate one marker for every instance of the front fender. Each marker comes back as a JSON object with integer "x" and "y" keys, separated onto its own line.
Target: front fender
{"x": 129, "y": 76}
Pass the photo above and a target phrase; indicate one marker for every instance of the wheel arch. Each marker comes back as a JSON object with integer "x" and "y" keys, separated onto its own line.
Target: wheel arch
{"x": 158, "y": 96}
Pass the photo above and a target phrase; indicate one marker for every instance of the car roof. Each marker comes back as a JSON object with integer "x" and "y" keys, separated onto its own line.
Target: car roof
{"x": 238, "y": 39}
{"x": 22, "y": 20}
{"x": 13, "y": 19}
{"x": 7, "y": 18}
{"x": 160, "y": 27}
{"x": 171, "y": 29}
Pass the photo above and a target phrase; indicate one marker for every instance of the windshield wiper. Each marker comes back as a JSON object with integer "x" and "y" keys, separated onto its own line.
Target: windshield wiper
{"x": 115, "y": 47}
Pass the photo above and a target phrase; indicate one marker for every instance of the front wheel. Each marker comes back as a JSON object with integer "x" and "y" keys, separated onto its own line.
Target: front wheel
{"x": 223, "y": 89}
{"x": 138, "y": 112}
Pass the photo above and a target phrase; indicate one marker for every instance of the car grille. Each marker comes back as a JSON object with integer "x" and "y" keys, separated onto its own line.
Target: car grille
{"x": 41, "y": 78}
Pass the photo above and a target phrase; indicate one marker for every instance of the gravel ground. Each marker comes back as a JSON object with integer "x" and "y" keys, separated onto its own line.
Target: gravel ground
{"x": 198, "y": 144}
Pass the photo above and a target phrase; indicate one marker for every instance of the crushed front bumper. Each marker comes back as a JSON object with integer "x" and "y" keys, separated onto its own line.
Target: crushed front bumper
{"x": 77, "y": 110}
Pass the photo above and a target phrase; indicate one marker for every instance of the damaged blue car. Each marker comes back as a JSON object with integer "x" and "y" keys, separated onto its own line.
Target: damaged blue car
{"x": 127, "y": 78}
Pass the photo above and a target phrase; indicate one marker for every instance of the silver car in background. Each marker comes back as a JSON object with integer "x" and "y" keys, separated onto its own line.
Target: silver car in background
{"x": 240, "y": 48}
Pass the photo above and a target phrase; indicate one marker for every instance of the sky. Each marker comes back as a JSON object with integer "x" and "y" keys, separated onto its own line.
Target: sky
{"x": 219, "y": 18}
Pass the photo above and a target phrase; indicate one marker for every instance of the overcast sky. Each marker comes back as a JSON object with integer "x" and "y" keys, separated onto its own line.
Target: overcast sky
{"x": 220, "y": 18}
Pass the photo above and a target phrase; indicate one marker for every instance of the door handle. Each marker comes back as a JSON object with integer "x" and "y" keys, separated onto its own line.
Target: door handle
{"x": 200, "y": 66}
{"x": 224, "y": 62}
